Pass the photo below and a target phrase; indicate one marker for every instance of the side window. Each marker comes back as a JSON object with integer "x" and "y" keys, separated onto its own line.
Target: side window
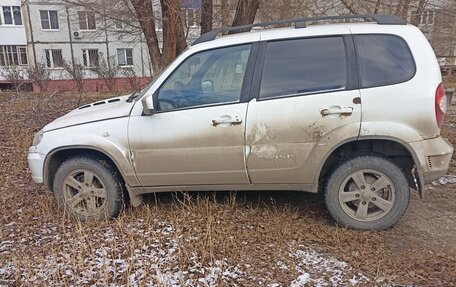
{"x": 206, "y": 78}
{"x": 383, "y": 60}
{"x": 304, "y": 66}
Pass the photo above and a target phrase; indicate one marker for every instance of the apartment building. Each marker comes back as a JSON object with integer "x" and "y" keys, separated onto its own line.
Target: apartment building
{"x": 13, "y": 41}
{"x": 60, "y": 36}
{"x": 54, "y": 34}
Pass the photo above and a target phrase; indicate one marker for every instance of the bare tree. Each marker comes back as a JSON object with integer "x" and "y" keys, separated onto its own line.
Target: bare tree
{"x": 350, "y": 6}
{"x": 418, "y": 13}
{"x": 15, "y": 75}
{"x": 245, "y": 13}
{"x": 132, "y": 79}
{"x": 76, "y": 73}
{"x": 173, "y": 31}
{"x": 107, "y": 71}
{"x": 442, "y": 36}
{"x": 40, "y": 75}
{"x": 143, "y": 16}
{"x": 140, "y": 16}
{"x": 206, "y": 16}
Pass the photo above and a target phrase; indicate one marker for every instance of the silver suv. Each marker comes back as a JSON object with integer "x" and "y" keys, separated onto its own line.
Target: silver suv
{"x": 352, "y": 110}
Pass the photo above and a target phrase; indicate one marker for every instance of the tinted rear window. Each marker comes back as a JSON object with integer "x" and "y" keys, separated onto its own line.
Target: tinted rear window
{"x": 383, "y": 60}
{"x": 304, "y": 66}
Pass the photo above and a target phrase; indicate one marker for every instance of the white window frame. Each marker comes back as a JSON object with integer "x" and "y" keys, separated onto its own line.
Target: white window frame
{"x": 119, "y": 25}
{"x": 6, "y": 51}
{"x": 87, "y": 54}
{"x": 51, "y": 58}
{"x": 2, "y": 20}
{"x": 125, "y": 58}
{"x": 49, "y": 20}
{"x": 19, "y": 48}
{"x": 87, "y": 21}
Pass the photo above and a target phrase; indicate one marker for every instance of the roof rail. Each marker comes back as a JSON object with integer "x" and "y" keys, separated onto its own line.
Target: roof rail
{"x": 302, "y": 23}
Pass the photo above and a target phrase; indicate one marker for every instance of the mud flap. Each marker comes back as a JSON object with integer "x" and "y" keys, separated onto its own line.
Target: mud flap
{"x": 135, "y": 199}
{"x": 418, "y": 177}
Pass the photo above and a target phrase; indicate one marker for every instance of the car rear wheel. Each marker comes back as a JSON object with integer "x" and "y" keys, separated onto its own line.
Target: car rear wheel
{"x": 367, "y": 192}
{"x": 88, "y": 189}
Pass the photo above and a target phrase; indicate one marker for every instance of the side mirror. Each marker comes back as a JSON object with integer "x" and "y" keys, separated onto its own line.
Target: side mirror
{"x": 207, "y": 87}
{"x": 148, "y": 105}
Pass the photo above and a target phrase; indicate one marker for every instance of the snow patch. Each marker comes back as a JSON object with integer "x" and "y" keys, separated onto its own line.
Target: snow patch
{"x": 301, "y": 280}
{"x": 328, "y": 271}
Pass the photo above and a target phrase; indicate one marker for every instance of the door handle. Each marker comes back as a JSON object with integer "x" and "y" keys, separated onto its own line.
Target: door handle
{"x": 227, "y": 120}
{"x": 336, "y": 110}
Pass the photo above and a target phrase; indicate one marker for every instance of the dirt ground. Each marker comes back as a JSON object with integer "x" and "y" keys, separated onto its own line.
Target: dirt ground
{"x": 207, "y": 239}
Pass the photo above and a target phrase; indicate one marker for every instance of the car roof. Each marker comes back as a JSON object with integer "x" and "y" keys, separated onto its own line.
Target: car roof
{"x": 292, "y": 32}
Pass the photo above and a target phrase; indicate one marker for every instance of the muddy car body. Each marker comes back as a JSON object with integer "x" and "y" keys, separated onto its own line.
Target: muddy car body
{"x": 351, "y": 110}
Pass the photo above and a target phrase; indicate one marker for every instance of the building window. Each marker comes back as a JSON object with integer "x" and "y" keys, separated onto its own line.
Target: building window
{"x": 23, "y": 56}
{"x": 125, "y": 57}
{"x": 86, "y": 20}
{"x": 54, "y": 58}
{"x": 13, "y": 56}
{"x": 192, "y": 17}
{"x": 90, "y": 58}
{"x": 120, "y": 25}
{"x": 12, "y": 15}
{"x": 49, "y": 20}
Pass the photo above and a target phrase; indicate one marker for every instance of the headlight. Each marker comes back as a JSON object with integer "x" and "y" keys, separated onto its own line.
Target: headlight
{"x": 37, "y": 138}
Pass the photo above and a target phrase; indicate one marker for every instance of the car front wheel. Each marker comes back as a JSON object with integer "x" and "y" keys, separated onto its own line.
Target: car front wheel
{"x": 88, "y": 189}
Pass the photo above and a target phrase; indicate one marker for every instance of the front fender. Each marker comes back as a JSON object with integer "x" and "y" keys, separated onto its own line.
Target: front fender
{"x": 108, "y": 137}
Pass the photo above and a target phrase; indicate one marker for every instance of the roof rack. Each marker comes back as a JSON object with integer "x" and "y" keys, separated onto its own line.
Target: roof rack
{"x": 302, "y": 23}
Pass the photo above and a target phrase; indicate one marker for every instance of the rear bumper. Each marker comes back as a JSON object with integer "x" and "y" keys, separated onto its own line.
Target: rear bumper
{"x": 434, "y": 156}
{"x": 36, "y": 163}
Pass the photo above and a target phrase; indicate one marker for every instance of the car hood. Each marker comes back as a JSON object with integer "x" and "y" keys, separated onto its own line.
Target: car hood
{"x": 97, "y": 111}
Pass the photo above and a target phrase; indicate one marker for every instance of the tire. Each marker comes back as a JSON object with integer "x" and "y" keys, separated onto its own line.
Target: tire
{"x": 88, "y": 189}
{"x": 367, "y": 193}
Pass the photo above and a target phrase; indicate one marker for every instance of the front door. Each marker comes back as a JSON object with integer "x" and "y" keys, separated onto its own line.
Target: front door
{"x": 196, "y": 135}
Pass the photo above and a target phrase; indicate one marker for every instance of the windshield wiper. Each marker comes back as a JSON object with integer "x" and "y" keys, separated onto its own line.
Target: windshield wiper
{"x": 132, "y": 97}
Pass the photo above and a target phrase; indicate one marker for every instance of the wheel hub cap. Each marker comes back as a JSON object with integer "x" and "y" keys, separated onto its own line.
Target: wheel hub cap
{"x": 367, "y": 195}
{"x": 85, "y": 193}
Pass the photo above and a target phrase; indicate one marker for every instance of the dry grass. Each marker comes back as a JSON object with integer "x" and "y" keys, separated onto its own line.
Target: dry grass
{"x": 204, "y": 239}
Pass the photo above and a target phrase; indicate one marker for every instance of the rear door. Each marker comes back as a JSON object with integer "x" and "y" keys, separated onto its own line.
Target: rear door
{"x": 307, "y": 100}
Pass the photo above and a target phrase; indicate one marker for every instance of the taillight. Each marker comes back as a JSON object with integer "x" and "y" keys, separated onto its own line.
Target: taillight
{"x": 440, "y": 105}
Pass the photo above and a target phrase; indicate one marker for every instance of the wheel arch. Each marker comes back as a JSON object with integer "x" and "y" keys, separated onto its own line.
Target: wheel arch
{"x": 399, "y": 151}
{"x": 57, "y": 156}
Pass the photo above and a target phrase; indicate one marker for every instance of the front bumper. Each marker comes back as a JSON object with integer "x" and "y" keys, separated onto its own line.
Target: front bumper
{"x": 36, "y": 164}
{"x": 434, "y": 156}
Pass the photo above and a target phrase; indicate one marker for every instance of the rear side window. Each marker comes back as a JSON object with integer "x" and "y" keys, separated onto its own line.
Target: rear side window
{"x": 304, "y": 66}
{"x": 383, "y": 60}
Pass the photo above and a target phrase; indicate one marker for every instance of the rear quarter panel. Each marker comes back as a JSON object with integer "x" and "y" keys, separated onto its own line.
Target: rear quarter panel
{"x": 405, "y": 110}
